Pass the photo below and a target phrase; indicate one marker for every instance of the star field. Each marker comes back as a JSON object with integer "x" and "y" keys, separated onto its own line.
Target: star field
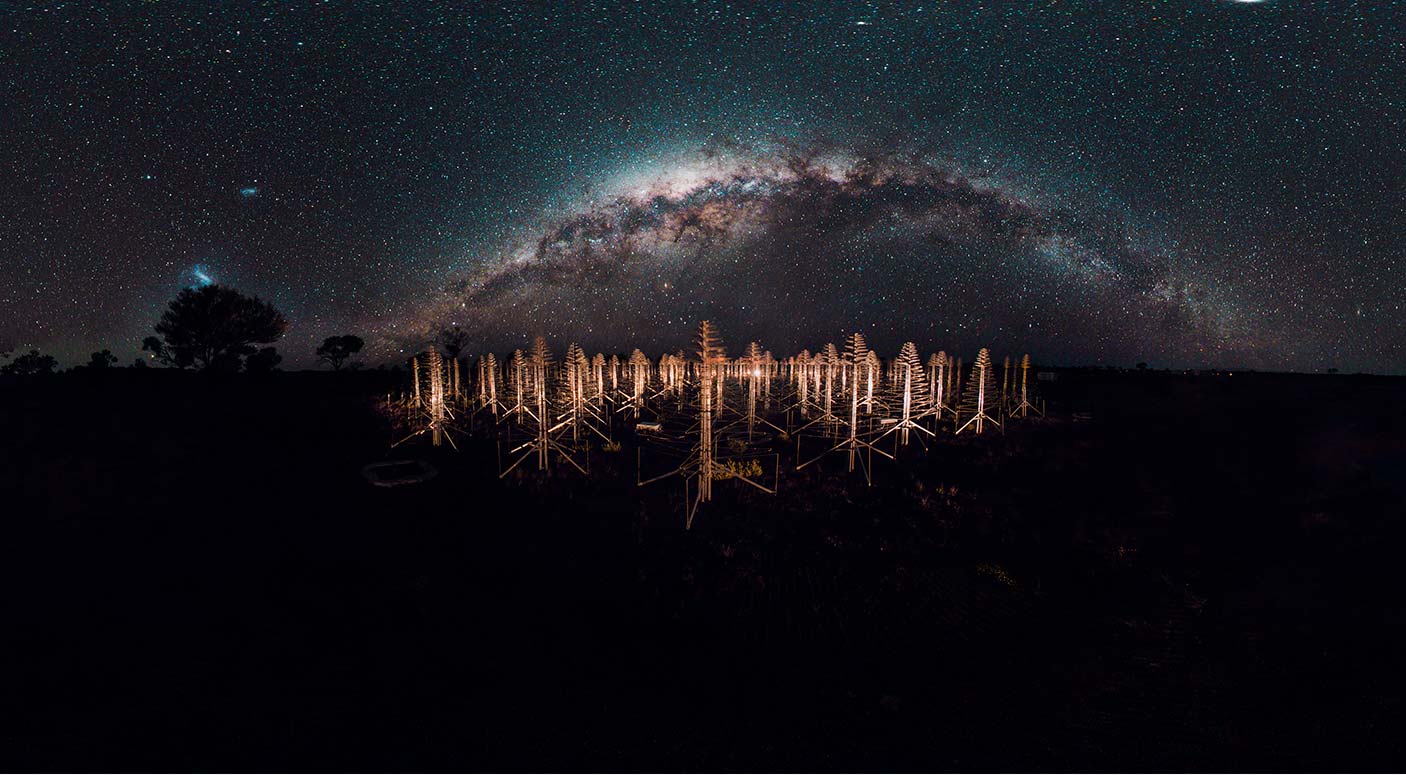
{"x": 1183, "y": 183}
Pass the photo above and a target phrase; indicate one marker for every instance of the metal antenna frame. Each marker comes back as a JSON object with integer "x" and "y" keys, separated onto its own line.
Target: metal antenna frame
{"x": 1025, "y": 405}
{"x": 700, "y": 460}
{"x": 857, "y": 449}
{"x": 985, "y": 378}
{"x": 434, "y": 411}
{"x": 915, "y": 394}
{"x": 548, "y": 429}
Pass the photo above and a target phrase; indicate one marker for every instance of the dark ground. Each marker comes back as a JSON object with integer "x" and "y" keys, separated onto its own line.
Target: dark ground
{"x": 1204, "y": 576}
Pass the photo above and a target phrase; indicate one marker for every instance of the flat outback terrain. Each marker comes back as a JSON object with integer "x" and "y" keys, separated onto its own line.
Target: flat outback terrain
{"x": 1168, "y": 572}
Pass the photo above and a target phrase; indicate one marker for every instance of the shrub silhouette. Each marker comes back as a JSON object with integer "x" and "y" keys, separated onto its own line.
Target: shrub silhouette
{"x": 103, "y": 359}
{"x": 335, "y": 350}
{"x": 30, "y": 364}
{"x": 263, "y": 361}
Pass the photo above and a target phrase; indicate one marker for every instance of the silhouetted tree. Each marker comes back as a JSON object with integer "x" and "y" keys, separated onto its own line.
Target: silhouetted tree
{"x": 335, "y": 350}
{"x": 161, "y": 354}
{"x": 214, "y": 327}
{"x": 228, "y": 362}
{"x": 263, "y": 361}
{"x": 29, "y": 364}
{"x": 452, "y": 341}
{"x": 154, "y": 345}
{"x": 102, "y": 359}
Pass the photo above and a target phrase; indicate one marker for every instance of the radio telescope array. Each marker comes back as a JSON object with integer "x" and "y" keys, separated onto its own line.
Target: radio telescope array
{"x": 702, "y": 417}
{"x": 429, "y": 409}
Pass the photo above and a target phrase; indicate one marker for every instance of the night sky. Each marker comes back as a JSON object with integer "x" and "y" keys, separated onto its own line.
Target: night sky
{"x": 1183, "y": 183}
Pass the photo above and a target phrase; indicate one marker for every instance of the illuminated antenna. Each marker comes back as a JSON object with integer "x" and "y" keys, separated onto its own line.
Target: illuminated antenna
{"x": 673, "y": 370}
{"x": 719, "y": 382}
{"x": 980, "y": 387}
{"x": 488, "y": 384}
{"x": 846, "y": 366}
{"x": 575, "y": 377}
{"x": 706, "y": 448}
{"x": 954, "y": 371}
{"x": 598, "y": 378}
{"x": 435, "y": 366}
{"x": 429, "y": 410}
{"x": 871, "y": 372}
{"x": 750, "y": 365}
{"x": 938, "y": 379}
{"x": 710, "y": 356}
{"x": 517, "y": 380}
{"x": 539, "y": 362}
{"x": 822, "y": 373}
{"x": 578, "y": 413}
{"x": 1025, "y": 405}
{"x": 914, "y": 394}
{"x": 1006, "y": 382}
{"x": 455, "y": 393}
{"x": 546, "y": 425}
{"x": 800, "y": 374}
{"x": 768, "y": 366}
{"x": 830, "y": 364}
{"x": 638, "y": 368}
{"x": 482, "y": 385}
{"x": 700, "y": 463}
{"x": 853, "y": 365}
